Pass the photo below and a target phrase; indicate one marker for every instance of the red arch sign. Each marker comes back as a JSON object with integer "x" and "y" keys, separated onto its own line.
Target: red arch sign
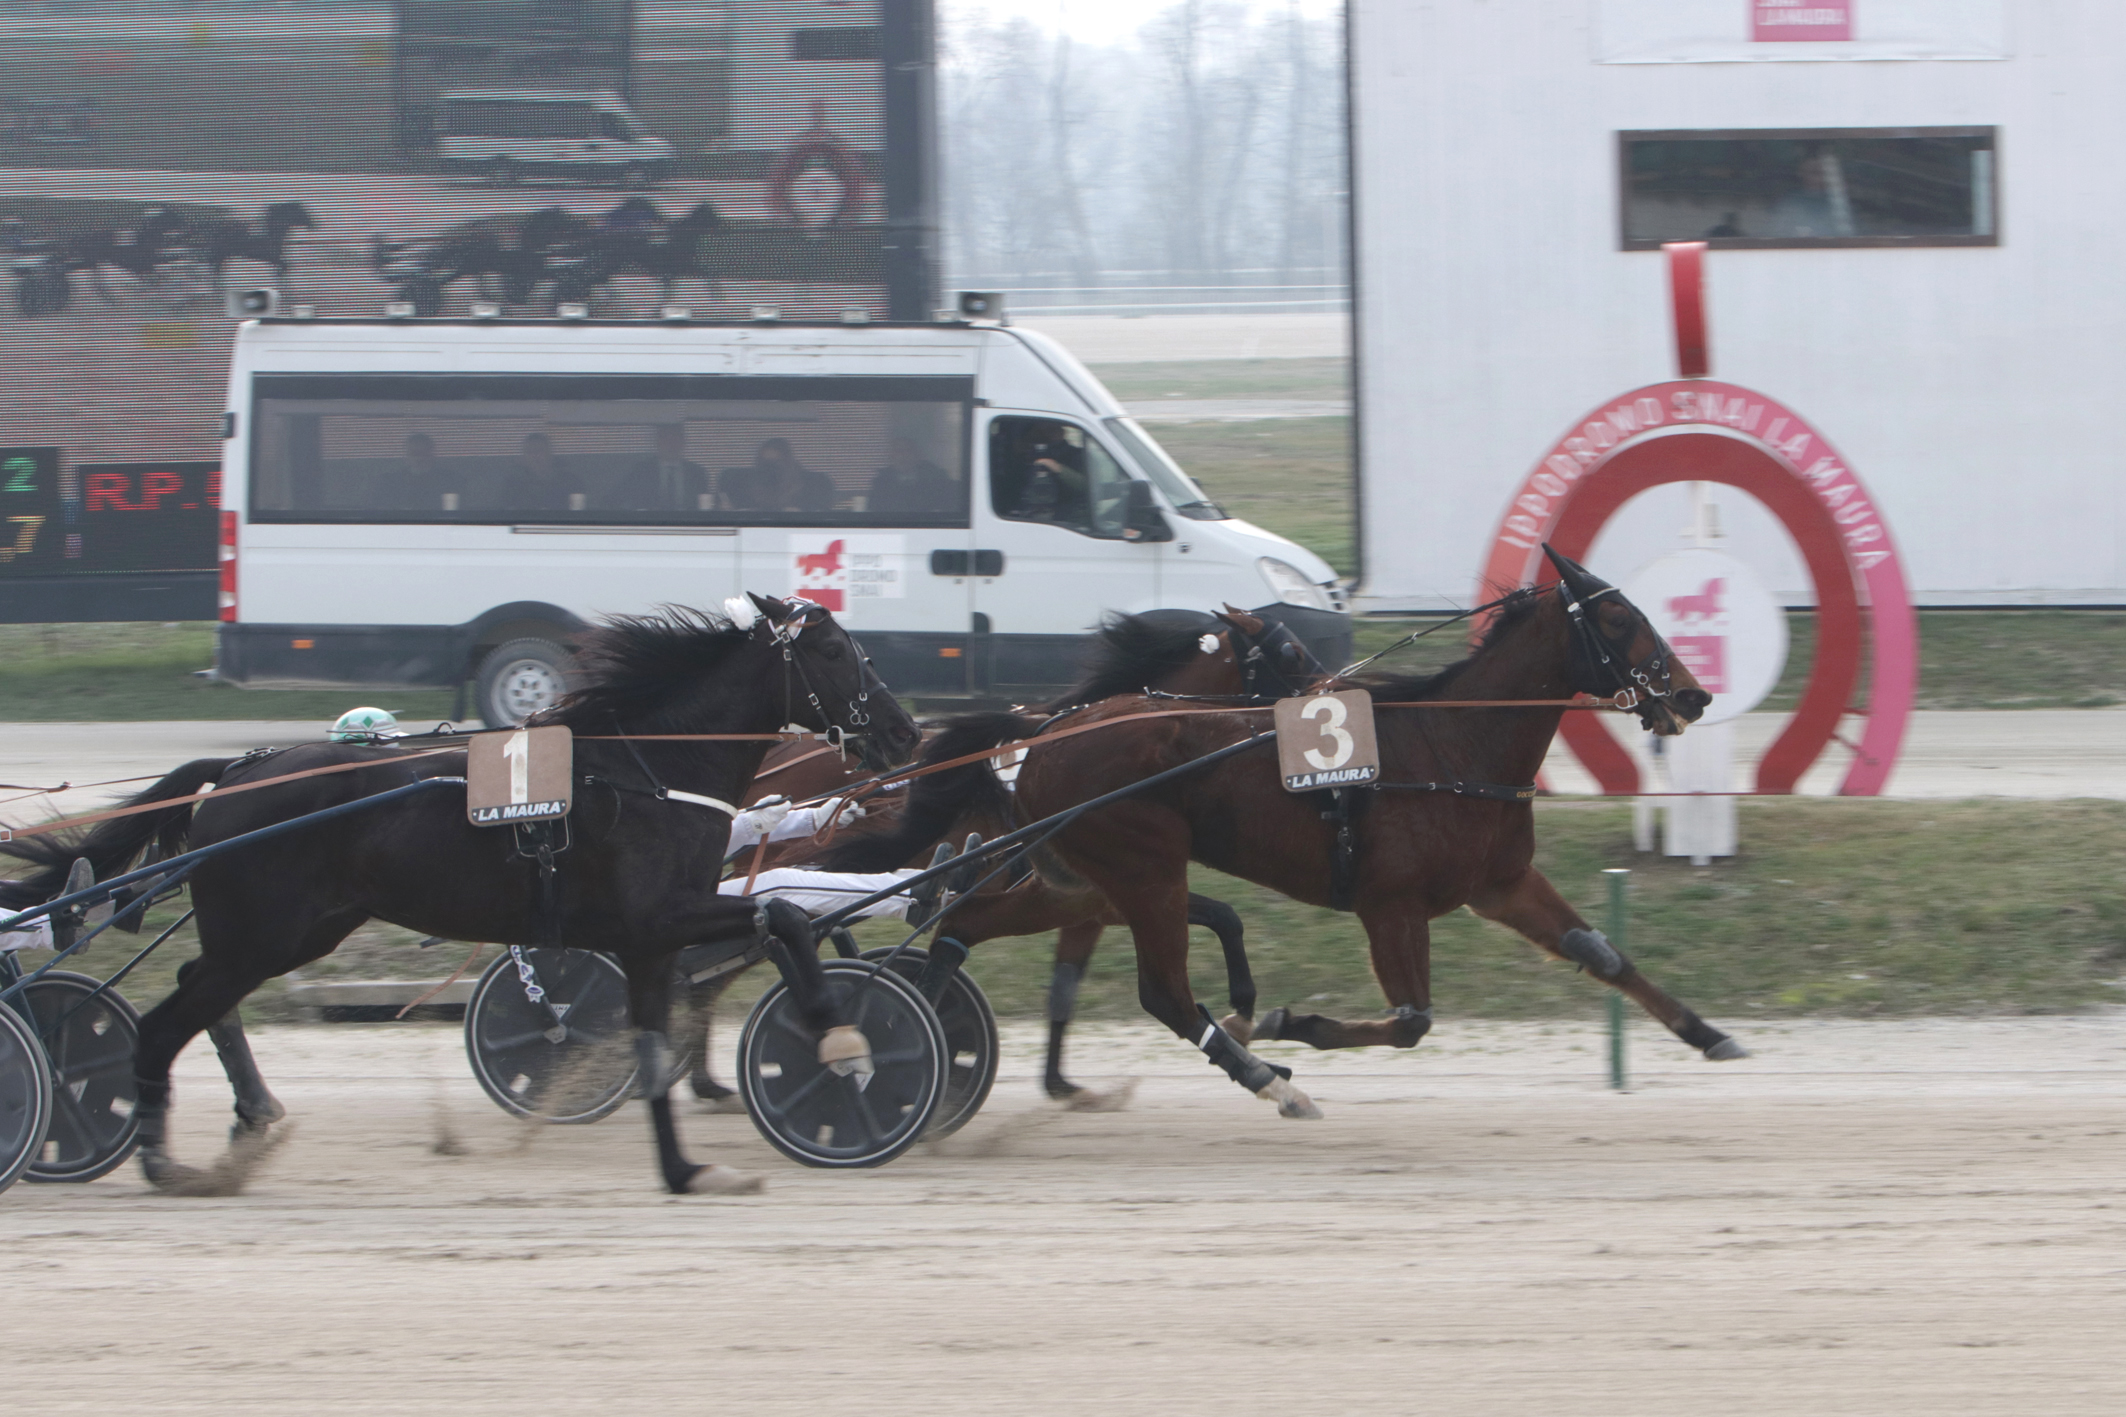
{"x": 1700, "y": 430}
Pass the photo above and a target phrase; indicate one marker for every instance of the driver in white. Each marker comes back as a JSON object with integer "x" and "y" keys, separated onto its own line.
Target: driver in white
{"x": 815, "y": 892}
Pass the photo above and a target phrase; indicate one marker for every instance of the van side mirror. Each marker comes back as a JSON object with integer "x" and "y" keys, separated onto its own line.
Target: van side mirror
{"x": 1145, "y": 521}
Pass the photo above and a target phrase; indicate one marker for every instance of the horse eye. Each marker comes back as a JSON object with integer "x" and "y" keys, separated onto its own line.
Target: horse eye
{"x": 830, "y": 650}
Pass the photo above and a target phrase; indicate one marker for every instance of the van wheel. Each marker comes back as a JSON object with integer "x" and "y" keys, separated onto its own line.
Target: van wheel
{"x": 520, "y": 678}
{"x": 635, "y": 177}
{"x": 501, "y": 172}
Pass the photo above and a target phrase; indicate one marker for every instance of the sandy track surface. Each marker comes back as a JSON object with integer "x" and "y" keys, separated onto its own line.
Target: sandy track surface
{"x": 1910, "y": 1217}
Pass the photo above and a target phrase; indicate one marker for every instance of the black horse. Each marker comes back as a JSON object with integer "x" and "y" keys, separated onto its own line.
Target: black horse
{"x": 625, "y": 244}
{"x": 519, "y": 251}
{"x": 225, "y": 239}
{"x": 161, "y": 237}
{"x": 636, "y": 876}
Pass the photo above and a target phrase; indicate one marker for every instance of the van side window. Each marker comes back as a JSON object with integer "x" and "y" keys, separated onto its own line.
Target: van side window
{"x": 1046, "y": 470}
{"x": 626, "y": 450}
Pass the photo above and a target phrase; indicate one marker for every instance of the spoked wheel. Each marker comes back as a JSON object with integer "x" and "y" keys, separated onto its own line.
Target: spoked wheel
{"x": 25, "y": 1096}
{"x": 815, "y": 1116}
{"x": 582, "y": 1074}
{"x": 89, "y": 1044}
{"x": 970, "y": 1041}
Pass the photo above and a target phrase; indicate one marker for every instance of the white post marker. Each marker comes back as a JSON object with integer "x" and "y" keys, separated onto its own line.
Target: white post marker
{"x": 1730, "y": 632}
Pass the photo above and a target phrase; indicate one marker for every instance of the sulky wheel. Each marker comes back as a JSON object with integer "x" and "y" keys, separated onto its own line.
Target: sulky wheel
{"x": 89, "y": 1039}
{"x": 568, "y": 1056}
{"x": 25, "y": 1096}
{"x": 970, "y": 1041}
{"x": 813, "y": 1115}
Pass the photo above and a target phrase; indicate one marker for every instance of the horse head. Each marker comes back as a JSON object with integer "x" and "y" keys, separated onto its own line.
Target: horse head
{"x": 286, "y": 216}
{"x": 1614, "y": 647}
{"x": 829, "y": 684}
{"x": 1275, "y": 662}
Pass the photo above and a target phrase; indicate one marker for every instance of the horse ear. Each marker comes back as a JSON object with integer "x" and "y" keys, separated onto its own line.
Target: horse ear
{"x": 768, "y": 605}
{"x": 1240, "y": 619}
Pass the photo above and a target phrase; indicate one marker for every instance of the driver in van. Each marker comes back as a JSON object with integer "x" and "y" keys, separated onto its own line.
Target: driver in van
{"x": 777, "y": 482}
{"x": 540, "y": 482}
{"x": 420, "y": 483}
{"x": 1052, "y": 482}
{"x": 665, "y": 481}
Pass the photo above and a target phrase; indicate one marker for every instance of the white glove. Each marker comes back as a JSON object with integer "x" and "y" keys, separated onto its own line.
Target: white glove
{"x": 755, "y": 823}
{"x": 845, "y": 811}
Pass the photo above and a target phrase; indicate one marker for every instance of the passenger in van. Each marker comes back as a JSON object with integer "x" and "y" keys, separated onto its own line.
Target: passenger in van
{"x": 665, "y": 481}
{"x": 1046, "y": 476}
{"x": 776, "y": 482}
{"x": 421, "y": 483}
{"x": 540, "y": 482}
{"x": 910, "y": 485}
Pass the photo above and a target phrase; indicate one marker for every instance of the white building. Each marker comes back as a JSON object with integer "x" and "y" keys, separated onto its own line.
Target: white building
{"x": 1919, "y": 245}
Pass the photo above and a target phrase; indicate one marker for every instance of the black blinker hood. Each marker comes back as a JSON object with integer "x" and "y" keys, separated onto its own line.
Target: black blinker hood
{"x": 1580, "y": 583}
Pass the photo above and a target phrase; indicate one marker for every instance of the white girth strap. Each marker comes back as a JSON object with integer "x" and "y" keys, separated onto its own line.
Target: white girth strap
{"x": 673, "y": 794}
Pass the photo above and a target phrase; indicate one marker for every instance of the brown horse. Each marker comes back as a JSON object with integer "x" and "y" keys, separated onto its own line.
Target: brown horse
{"x": 1450, "y": 822}
{"x": 1184, "y": 654}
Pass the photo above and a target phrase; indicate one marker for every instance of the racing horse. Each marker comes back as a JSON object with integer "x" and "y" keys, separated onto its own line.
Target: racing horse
{"x": 518, "y": 250}
{"x": 629, "y": 876}
{"x": 1177, "y": 652}
{"x": 159, "y": 238}
{"x": 224, "y": 239}
{"x": 665, "y": 251}
{"x": 1450, "y": 822}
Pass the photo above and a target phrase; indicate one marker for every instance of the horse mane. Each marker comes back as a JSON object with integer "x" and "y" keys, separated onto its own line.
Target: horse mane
{"x": 1515, "y": 609}
{"x": 1131, "y": 651}
{"x": 635, "y": 668}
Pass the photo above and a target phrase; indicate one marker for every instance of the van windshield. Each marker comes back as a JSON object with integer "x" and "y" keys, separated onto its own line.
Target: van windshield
{"x": 1152, "y": 460}
{"x": 708, "y": 451}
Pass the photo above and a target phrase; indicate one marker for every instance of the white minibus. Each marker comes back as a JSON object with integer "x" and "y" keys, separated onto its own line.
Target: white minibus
{"x": 440, "y": 502}
{"x": 508, "y": 135}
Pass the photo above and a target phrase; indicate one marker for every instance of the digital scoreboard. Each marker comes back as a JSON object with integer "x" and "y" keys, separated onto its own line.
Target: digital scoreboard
{"x": 104, "y": 518}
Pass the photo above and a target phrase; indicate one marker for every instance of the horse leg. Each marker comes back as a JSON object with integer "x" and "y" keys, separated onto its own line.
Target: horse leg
{"x": 649, "y": 990}
{"x": 701, "y": 1009}
{"x": 206, "y": 993}
{"x": 1400, "y": 938}
{"x": 256, "y": 1106}
{"x": 1074, "y": 951}
{"x": 1158, "y": 921}
{"x": 1224, "y": 922}
{"x": 1532, "y": 906}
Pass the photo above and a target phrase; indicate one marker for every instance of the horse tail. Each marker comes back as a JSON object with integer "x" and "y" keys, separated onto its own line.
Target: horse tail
{"x": 936, "y": 802}
{"x": 110, "y": 846}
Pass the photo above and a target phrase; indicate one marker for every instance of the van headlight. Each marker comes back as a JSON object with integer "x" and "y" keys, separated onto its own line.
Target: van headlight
{"x": 1290, "y": 587}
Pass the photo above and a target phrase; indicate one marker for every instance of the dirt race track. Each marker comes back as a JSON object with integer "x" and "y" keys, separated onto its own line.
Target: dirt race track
{"x": 1897, "y": 1218}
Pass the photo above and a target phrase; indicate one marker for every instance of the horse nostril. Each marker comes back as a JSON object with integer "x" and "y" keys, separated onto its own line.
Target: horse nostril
{"x": 1693, "y": 702}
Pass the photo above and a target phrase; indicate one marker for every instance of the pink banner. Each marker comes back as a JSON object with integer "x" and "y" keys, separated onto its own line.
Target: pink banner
{"x": 1773, "y": 21}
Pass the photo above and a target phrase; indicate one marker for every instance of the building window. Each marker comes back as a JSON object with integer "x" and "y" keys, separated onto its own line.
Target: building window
{"x": 1767, "y": 189}
{"x": 843, "y": 43}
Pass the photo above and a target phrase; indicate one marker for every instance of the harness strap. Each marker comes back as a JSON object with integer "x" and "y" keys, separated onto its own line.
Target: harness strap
{"x": 1489, "y": 791}
{"x": 673, "y": 794}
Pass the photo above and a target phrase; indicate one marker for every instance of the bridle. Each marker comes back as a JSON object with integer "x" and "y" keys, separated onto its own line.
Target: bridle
{"x": 1273, "y": 658}
{"x": 1598, "y": 663}
{"x": 784, "y": 634}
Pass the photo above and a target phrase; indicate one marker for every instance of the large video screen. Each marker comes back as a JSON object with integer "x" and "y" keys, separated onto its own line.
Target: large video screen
{"x": 623, "y": 155}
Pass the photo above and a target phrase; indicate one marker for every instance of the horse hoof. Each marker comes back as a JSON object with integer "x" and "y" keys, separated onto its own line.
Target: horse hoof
{"x": 724, "y": 1181}
{"x": 1291, "y": 1102}
{"x": 1269, "y": 1030}
{"x": 1060, "y": 1089}
{"x": 1242, "y": 1029}
{"x": 709, "y": 1090}
{"x": 728, "y": 1105}
{"x": 843, "y": 1050}
{"x": 1726, "y": 1051}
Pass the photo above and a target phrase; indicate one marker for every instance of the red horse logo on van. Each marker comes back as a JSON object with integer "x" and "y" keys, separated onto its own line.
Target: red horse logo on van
{"x": 1704, "y": 605}
{"x": 817, "y": 573}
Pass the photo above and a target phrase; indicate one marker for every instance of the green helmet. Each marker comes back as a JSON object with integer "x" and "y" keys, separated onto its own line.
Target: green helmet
{"x": 357, "y": 724}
